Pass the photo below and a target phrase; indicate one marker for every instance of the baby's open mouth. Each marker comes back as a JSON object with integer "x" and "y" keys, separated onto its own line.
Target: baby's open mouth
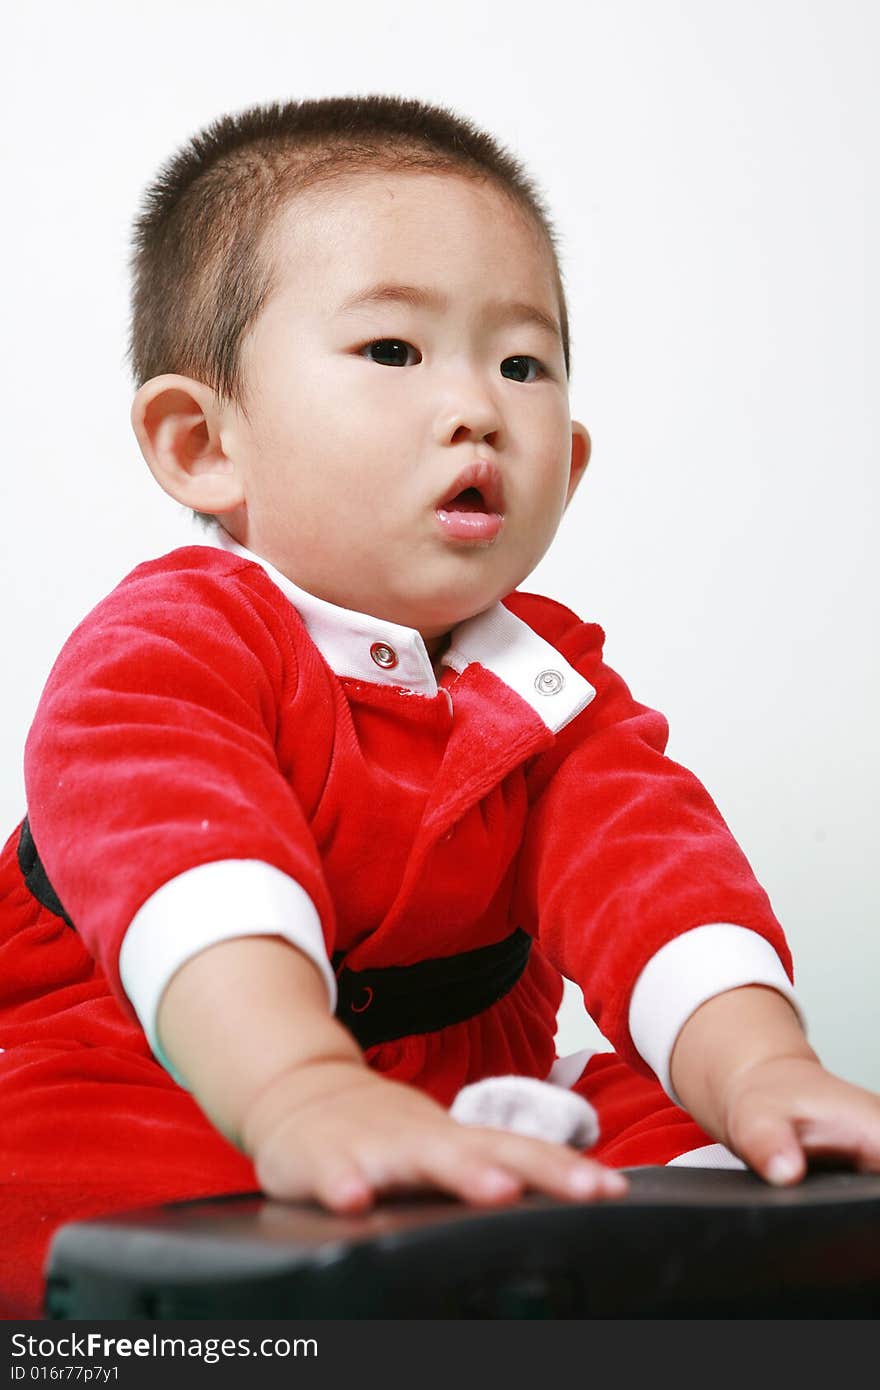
{"x": 473, "y": 508}
{"x": 470, "y": 500}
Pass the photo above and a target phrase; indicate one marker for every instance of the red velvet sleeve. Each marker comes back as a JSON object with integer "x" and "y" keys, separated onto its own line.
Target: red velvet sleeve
{"x": 625, "y": 848}
{"x": 153, "y": 746}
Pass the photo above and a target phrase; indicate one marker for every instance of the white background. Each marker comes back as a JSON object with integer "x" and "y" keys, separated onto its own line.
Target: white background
{"x": 713, "y": 171}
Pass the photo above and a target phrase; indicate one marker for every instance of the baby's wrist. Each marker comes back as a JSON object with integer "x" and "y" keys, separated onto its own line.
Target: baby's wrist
{"x": 726, "y": 1038}
{"x": 294, "y": 1087}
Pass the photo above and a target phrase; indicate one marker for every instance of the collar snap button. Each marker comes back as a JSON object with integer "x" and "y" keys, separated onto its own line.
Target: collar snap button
{"x": 549, "y": 682}
{"x": 383, "y": 655}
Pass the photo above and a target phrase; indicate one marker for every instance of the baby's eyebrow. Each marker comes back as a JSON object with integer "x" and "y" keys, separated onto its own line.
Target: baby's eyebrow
{"x": 420, "y": 297}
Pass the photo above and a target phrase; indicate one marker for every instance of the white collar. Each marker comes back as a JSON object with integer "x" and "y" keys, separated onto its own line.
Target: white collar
{"x": 356, "y": 644}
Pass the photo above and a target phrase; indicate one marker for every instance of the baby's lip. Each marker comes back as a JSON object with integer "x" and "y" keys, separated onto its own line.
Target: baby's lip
{"x": 483, "y": 475}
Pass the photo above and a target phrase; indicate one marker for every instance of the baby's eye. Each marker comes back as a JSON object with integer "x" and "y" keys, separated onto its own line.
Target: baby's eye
{"x": 521, "y": 365}
{"x": 388, "y": 352}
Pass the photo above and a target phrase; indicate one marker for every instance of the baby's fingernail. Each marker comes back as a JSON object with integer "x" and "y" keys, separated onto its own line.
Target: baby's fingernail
{"x": 496, "y": 1183}
{"x": 614, "y": 1184}
{"x": 583, "y": 1182}
{"x": 352, "y": 1192}
{"x": 782, "y": 1169}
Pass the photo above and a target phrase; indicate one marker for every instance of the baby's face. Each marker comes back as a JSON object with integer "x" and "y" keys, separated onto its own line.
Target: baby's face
{"x": 364, "y": 420}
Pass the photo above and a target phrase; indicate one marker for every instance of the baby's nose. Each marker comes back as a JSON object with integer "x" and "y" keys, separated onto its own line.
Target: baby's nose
{"x": 474, "y": 415}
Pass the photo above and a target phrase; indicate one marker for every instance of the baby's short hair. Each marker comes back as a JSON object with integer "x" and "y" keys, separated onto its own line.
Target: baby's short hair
{"x": 199, "y": 277}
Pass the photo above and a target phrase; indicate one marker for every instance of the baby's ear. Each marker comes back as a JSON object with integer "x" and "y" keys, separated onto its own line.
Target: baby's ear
{"x": 177, "y": 423}
{"x": 581, "y": 448}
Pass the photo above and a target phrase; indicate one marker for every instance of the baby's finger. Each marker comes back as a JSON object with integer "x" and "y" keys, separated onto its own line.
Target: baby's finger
{"x": 853, "y": 1138}
{"x": 771, "y": 1149}
{"x": 497, "y": 1166}
{"x": 451, "y": 1166}
{"x": 334, "y": 1180}
{"x": 556, "y": 1170}
{"x": 340, "y": 1186}
{"x": 866, "y": 1150}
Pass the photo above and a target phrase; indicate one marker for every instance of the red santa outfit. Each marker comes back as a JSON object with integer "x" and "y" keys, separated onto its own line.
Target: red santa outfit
{"x": 218, "y": 753}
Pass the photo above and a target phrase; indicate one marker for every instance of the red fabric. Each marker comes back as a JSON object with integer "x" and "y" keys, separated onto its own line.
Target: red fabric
{"x": 624, "y": 848}
{"x": 638, "y": 1123}
{"x": 189, "y": 719}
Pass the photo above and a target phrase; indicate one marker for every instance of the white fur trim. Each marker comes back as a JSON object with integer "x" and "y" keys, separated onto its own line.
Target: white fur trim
{"x": 709, "y": 1156}
{"x": 528, "y": 1106}
{"x": 567, "y": 1070}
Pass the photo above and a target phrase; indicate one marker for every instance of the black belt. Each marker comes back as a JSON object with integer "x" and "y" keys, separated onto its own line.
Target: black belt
{"x": 35, "y": 876}
{"x": 377, "y": 1005}
{"x": 380, "y": 1005}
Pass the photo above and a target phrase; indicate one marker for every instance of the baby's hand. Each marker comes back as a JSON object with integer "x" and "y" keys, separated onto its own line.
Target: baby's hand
{"x": 335, "y": 1132}
{"x": 781, "y": 1112}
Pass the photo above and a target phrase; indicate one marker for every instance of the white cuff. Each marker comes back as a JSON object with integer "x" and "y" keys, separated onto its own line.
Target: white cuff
{"x": 213, "y": 902}
{"x": 687, "y": 971}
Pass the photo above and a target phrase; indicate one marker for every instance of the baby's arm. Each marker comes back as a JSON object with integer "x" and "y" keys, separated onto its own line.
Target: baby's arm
{"x": 743, "y": 1068}
{"x": 246, "y": 1024}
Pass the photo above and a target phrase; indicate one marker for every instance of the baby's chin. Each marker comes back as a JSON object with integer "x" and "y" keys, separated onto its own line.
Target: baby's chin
{"x": 434, "y": 623}
{"x": 435, "y": 599}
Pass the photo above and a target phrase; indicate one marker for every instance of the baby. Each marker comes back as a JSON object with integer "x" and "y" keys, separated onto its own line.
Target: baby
{"x": 322, "y": 809}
